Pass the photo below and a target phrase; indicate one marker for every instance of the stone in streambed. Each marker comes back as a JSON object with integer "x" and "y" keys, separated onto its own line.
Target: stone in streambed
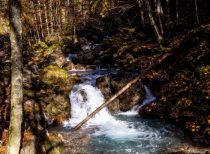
{"x": 134, "y": 95}
{"x": 128, "y": 99}
{"x": 103, "y": 83}
{"x": 58, "y": 109}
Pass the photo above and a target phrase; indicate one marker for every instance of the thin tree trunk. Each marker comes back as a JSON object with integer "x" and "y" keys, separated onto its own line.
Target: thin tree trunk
{"x": 16, "y": 78}
{"x": 51, "y": 17}
{"x": 59, "y": 16}
{"x": 56, "y": 16}
{"x": 196, "y": 12}
{"x": 160, "y": 12}
{"x": 40, "y": 18}
{"x": 74, "y": 23}
{"x": 35, "y": 22}
{"x": 121, "y": 91}
{"x": 152, "y": 21}
{"x": 68, "y": 14}
{"x": 140, "y": 3}
{"x": 46, "y": 18}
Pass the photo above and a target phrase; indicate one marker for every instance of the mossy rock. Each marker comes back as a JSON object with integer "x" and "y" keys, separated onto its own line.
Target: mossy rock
{"x": 59, "y": 104}
{"x": 39, "y": 45}
{"x": 54, "y": 75}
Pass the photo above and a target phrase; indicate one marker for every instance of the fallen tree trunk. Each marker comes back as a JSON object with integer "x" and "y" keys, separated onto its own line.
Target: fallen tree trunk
{"x": 127, "y": 86}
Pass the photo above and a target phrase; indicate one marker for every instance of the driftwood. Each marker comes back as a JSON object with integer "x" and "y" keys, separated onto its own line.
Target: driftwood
{"x": 127, "y": 86}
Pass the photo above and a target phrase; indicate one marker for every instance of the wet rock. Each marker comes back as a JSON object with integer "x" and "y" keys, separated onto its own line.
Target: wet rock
{"x": 58, "y": 108}
{"x": 127, "y": 100}
{"x": 104, "y": 84}
{"x": 134, "y": 95}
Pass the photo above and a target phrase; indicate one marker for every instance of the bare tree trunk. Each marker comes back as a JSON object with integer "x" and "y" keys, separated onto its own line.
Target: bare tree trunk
{"x": 140, "y": 3}
{"x": 37, "y": 30}
{"x": 40, "y": 18}
{"x": 56, "y": 15}
{"x": 74, "y": 24}
{"x": 196, "y": 12}
{"x": 59, "y": 16}
{"x": 152, "y": 21}
{"x": 35, "y": 21}
{"x": 160, "y": 13}
{"x": 16, "y": 78}
{"x": 68, "y": 14}
{"x": 51, "y": 17}
{"x": 46, "y": 18}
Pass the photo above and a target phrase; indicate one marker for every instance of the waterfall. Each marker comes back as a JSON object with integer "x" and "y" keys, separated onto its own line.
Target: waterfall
{"x": 84, "y": 100}
{"x": 119, "y": 133}
{"x": 149, "y": 97}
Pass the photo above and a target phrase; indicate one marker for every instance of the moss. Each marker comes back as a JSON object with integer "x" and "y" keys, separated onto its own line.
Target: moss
{"x": 53, "y": 74}
{"x": 29, "y": 93}
{"x": 40, "y": 45}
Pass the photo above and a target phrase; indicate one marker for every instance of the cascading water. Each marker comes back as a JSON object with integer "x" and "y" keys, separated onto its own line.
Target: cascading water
{"x": 120, "y": 133}
{"x": 148, "y": 99}
{"x": 84, "y": 100}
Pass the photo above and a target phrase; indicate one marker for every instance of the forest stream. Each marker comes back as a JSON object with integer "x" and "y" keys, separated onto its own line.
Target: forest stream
{"x": 104, "y": 77}
{"x": 119, "y": 133}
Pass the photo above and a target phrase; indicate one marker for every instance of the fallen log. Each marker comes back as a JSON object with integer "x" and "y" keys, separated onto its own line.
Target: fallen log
{"x": 121, "y": 91}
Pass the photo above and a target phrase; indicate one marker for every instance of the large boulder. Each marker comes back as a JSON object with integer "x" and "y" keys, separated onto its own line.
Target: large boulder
{"x": 56, "y": 86}
{"x": 109, "y": 86}
{"x": 134, "y": 95}
{"x": 104, "y": 84}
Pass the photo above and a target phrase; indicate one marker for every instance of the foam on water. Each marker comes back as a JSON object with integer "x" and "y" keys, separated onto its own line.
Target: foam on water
{"x": 84, "y": 100}
{"x": 119, "y": 133}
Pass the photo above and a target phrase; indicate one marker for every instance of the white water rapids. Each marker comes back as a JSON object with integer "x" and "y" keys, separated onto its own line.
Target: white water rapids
{"x": 122, "y": 133}
{"x": 85, "y": 99}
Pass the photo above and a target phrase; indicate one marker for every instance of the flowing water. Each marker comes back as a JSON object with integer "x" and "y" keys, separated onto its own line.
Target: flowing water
{"x": 122, "y": 133}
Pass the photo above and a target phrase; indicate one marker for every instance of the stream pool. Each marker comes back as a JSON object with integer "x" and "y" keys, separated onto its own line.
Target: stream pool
{"x": 136, "y": 136}
{"x": 123, "y": 133}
